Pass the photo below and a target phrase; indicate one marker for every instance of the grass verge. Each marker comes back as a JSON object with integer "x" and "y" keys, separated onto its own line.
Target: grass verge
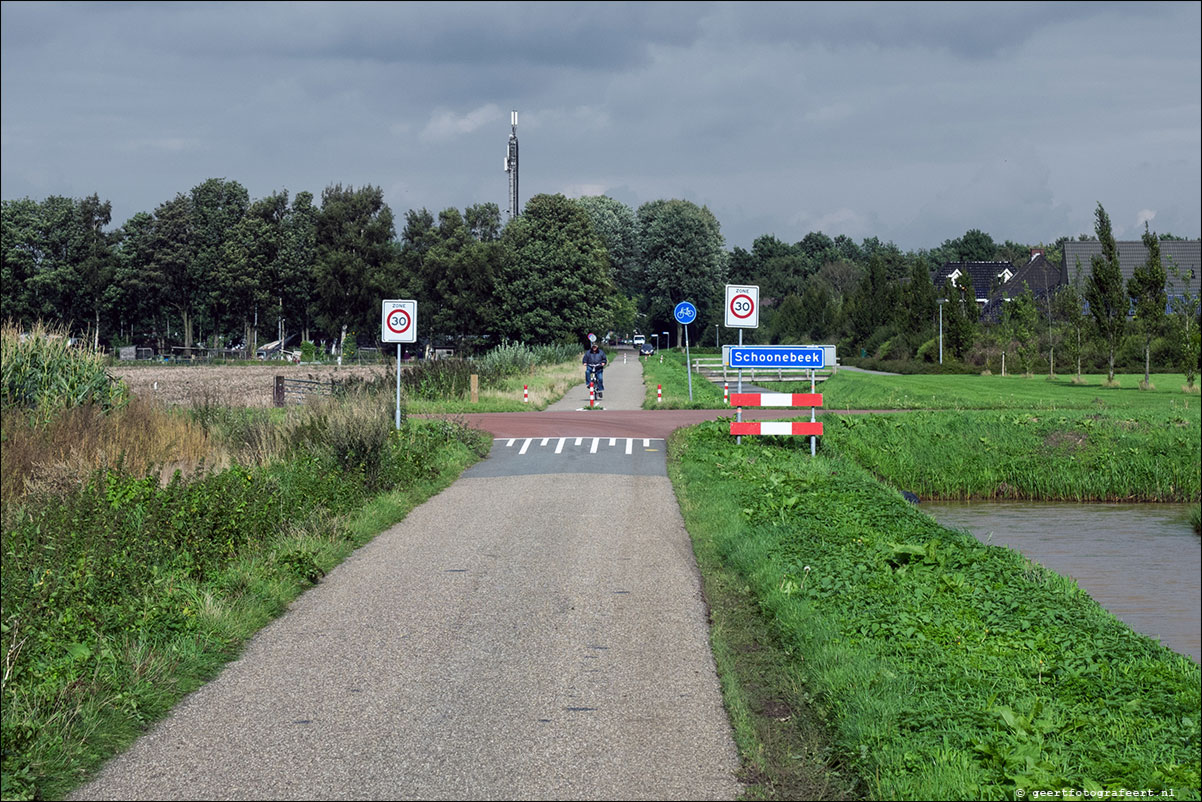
{"x": 667, "y": 369}
{"x": 946, "y": 669}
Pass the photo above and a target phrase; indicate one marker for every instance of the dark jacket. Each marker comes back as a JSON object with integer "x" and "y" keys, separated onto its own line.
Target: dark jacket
{"x": 598, "y": 358}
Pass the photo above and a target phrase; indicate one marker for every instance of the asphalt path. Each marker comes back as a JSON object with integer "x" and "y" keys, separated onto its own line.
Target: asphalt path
{"x": 535, "y": 631}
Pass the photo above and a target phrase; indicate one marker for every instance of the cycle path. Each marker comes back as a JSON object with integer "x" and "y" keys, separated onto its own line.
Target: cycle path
{"x": 522, "y": 635}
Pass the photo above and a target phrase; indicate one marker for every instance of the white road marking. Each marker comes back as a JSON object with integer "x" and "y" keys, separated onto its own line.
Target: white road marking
{"x": 525, "y": 446}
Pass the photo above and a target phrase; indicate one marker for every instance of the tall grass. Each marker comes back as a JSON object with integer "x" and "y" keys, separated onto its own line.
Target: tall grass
{"x": 52, "y": 455}
{"x": 1042, "y": 456}
{"x": 40, "y": 372}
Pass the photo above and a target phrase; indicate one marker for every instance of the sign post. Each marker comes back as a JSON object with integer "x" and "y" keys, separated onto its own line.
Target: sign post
{"x": 398, "y": 325}
{"x": 742, "y": 312}
{"x": 685, "y": 313}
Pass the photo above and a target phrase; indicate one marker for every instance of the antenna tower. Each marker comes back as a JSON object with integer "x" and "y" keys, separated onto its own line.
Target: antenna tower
{"x": 511, "y": 166}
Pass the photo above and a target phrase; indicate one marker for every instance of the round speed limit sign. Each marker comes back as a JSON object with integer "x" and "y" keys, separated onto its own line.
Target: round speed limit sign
{"x": 742, "y": 307}
{"x": 399, "y": 322}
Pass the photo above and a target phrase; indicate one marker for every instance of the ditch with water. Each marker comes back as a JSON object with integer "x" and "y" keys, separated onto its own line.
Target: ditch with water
{"x": 1140, "y": 561}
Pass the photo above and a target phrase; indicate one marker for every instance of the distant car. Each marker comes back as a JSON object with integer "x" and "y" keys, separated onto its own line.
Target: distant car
{"x": 647, "y": 349}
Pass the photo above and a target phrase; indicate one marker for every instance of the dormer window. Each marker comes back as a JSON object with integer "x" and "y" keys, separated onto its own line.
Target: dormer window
{"x": 955, "y": 275}
{"x": 1005, "y": 276}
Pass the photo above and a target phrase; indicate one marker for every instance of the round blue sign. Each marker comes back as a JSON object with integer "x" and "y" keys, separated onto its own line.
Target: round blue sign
{"x": 685, "y": 313}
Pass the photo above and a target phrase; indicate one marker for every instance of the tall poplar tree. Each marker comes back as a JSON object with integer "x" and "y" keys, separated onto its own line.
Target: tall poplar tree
{"x": 1105, "y": 293}
{"x": 1146, "y": 289}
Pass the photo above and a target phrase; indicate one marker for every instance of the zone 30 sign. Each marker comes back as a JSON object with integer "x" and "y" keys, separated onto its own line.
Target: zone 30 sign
{"x": 399, "y": 323}
{"x": 742, "y": 307}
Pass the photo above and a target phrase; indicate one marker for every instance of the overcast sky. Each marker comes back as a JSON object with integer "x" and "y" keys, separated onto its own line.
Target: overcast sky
{"x": 911, "y": 122}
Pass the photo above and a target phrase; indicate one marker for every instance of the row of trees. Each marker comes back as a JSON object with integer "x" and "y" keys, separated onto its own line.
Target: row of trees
{"x": 214, "y": 266}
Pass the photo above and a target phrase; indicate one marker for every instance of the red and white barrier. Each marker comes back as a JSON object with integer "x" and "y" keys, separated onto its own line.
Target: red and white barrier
{"x": 726, "y": 393}
{"x": 811, "y": 428}
{"x": 659, "y": 394}
{"x": 525, "y": 393}
{"x": 592, "y": 395}
{"x": 776, "y": 399}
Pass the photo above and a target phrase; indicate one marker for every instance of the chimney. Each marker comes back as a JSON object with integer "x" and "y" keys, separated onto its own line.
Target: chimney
{"x": 1034, "y": 253}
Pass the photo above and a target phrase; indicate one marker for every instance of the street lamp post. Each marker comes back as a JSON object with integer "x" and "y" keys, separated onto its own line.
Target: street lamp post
{"x": 656, "y": 336}
{"x": 667, "y": 340}
{"x": 941, "y": 302}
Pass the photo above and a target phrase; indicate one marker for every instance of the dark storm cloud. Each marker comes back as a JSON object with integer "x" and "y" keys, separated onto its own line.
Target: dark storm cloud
{"x": 912, "y": 122}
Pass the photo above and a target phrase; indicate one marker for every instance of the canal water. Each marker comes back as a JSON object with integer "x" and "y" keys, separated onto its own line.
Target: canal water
{"x": 1140, "y": 561}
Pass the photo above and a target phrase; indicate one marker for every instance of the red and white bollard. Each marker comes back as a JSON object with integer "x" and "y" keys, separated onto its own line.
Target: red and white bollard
{"x": 591, "y": 395}
{"x": 726, "y": 393}
{"x": 525, "y": 393}
{"x": 659, "y": 394}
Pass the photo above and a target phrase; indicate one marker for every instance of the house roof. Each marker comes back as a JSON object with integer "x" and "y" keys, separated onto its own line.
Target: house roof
{"x": 986, "y": 276}
{"x": 1186, "y": 255}
{"x": 1039, "y": 274}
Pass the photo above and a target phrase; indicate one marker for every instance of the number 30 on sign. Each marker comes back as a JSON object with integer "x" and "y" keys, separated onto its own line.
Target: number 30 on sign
{"x": 399, "y": 323}
{"x": 742, "y": 306}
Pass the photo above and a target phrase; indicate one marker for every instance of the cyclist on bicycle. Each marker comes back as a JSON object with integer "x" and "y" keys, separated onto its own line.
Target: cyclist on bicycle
{"x": 594, "y": 363}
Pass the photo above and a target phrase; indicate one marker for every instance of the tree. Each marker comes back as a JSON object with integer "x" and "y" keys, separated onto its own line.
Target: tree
{"x": 1184, "y": 326}
{"x": 789, "y": 323}
{"x": 137, "y": 293}
{"x": 217, "y": 206}
{"x": 917, "y": 308}
{"x": 682, "y": 257}
{"x": 819, "y": 311}
{"x": 960, "y": 315}
{"x": 872, "y": 304}
{"x": 20, "y": 252}
{"x": 354, "y": 267}
{"x": 465, "y": 268}
{"x": 977, "y": 246}
{"x": 615, "y": 223}
{"x": 553, "y": 282}
{"x": 1069, "y": 307}
{"x": 173, "y": 255}
{"x": 1146, "y": 290}
{"x": 1104, "y": 291}
{"x": 242, "y": 282}
{"x": 293, "y": 280}
{"x": 1019, "y": 321}
{"x": 95, "y": 262}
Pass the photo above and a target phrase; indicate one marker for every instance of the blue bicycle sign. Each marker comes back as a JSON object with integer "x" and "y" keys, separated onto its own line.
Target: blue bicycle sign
{"x": 685, "y": 313}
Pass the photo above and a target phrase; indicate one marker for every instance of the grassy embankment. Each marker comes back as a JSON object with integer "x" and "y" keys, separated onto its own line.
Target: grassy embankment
{"x": 906, "y": 660}
{"x": 127, "y": 583}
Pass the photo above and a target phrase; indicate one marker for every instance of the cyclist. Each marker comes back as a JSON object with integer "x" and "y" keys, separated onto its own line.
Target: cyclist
{"x": 595, "y": 360}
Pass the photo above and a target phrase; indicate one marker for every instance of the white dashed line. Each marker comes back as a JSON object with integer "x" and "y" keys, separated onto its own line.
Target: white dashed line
{"x": 594, "y": 444}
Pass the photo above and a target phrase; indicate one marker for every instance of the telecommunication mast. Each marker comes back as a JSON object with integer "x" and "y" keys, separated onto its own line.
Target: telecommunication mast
{"x": 511, "y": 166}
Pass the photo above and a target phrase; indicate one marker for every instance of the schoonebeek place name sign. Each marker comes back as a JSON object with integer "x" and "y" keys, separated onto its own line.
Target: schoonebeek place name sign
{"x": 805, "y": 357}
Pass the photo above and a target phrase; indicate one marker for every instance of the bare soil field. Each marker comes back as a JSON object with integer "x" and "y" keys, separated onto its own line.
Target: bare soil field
{"x": 227, "y": 385}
